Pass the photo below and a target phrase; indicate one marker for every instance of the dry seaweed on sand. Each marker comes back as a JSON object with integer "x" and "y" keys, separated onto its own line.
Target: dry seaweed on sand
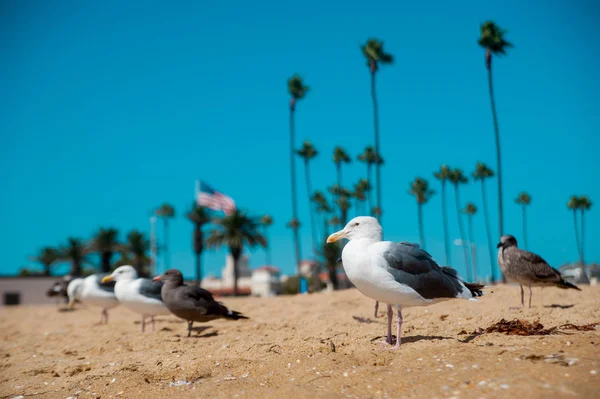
{"x": 585, "y": 327}
{"x": 519, "y": 327}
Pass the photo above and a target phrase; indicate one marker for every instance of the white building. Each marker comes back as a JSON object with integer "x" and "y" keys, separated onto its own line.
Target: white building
{"x": 266, "y": 281}
{"x": 224, "y": 285}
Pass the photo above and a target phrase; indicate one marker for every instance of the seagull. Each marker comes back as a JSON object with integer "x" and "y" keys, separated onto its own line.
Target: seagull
{"x": 91, "y": 291}
{"x": 398, "y": 274}
{"x": 527, "y": 268}
{"x": 191, "y": 302}
{"x": 140, "y": 295}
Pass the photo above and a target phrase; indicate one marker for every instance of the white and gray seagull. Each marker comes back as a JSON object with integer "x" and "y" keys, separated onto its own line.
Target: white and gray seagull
{"x": 398, "y": 274}
{"x": 527, "y": 268}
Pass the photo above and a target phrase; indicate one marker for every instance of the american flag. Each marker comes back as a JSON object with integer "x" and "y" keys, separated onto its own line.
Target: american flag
{"x": 212, "y": 199}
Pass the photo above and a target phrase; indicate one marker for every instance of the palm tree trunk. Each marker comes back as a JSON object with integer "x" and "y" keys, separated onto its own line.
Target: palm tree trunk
{"x": 498, "y": 157}
{"x": 293, "y": 180}
{"x": 75, "y": 268}
{"x": 462, "y": 232}
{"x": 47, "y": 267}
{"x": 235, "y": 254}
{"x": 333, "y": 276}
{"x": 420, "y": 216}
{"x": 310, "y": 207}
{"x": 370, "y": 180}
{"x": 577, "y": 241}
{"x": 105, "y": 262}
{"x": 472, "y": 246}
{"x": 524, "y": 226}
{"x": 167, "y": 260}
{"x": 376, "y": 130}
{"x": 198, "y": 268}
{"x": 445, "y": 223}
{"x": 581, "y": 243}
{"x": 487, "y": 232}
{"x": 267, "y": 248}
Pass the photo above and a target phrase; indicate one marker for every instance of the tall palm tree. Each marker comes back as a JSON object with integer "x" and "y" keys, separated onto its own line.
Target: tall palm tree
{"x": 199, "y": 216}
{"x": 106, "y": 243}
{"x": 573, "y": 205}
{"x": 369, "y": 157}
{"x": 308, "y": 152}
{"x": 166, "y": 212}
{"x": 297, "y": 90}
{"x": 492, "y": 39}
{"x": 442, "y": 175}
{"x": 360, "y": 195}
{"x": 75, "y": 252}
{"x": 47, "y": 257}
{"x": 470, "y": 210}
{"x": 340, "y": 156}
{"x": 524, "y": 200}
{"x": 322, "y": 208}
{"x": 375, "y": 55}
{"x": 584, "y": 205}
{"x": 343, "y": 203}
{"x": 266, "y": 221}
{"x": 457, "y": 177}
{"x": 420, "y": 189}
{"x": 236, "y": 231}
{"x": 482, "y": 173}
{"x": 136, "y": 249}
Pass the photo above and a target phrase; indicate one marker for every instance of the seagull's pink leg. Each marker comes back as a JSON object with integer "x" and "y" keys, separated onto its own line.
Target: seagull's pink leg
{"x": 376, "y": 308}
{"x": 389, "y": 340}
{"x": 398, "y": 330}
{"x": 143, "y": 323}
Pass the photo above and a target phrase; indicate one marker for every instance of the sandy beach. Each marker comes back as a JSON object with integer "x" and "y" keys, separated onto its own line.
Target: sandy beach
{"x": 320, "y": 345}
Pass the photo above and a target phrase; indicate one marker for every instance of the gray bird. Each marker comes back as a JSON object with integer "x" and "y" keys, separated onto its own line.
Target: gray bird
{"x": 190, "y": 302}
{"x": 527, "y": 268}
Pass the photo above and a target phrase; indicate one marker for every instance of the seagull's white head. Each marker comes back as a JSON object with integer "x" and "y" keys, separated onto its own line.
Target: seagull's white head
{"x": 359, "y": 227}
{"x": 122, "y": 273}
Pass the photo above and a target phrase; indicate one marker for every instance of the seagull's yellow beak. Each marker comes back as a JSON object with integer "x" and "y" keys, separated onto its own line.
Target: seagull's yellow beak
{"x": 106, "y": 279}
{"x": 336, "y": 236}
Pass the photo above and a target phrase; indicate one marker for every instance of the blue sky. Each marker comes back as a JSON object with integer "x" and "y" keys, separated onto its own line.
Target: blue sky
{"x": 109, "y": 110}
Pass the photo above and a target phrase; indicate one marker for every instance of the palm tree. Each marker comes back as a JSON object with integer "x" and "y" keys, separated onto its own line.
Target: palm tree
{"x": 481, "y": 173}
{"x": 524, "y": 200}
{"x": 136, "y": 249}
{"x": 375, "y": 55}
{"x": 166, "y": 212}
{"x": 199, "y": 216}
{"x": 106, "y": 243}
{"x": 442, "y": 175}
{"x": 370, "y": 158}
{"x": 457, "y": 177}
{"x": 75, "y": 252}
{"x": 343, "y": 203}
{"x": 322, "y": 208}
{"x": 331, "y": 254}
{"x": 236, "y": 231}
{"x": 359, "y": 193}
{"x": 298, "y": 91}
{"x": 492, "y": 39}
{"x": 470, "y": 210}
{"x": 308, "y": 152}
{"x": 584, "y": 205}
{"x": 266, "y": 221}
{"x": 573, "y": 205}
{"x": 47, "y": 257}
{"x": 420, "y": 189}
{"x": 340, "y": 156}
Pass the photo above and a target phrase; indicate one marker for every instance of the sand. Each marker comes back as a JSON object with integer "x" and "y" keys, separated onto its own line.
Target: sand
{"x": 285, "y": 349}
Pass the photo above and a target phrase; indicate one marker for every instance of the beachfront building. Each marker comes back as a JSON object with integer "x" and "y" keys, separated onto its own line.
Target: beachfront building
{"x": 266, "y": 281}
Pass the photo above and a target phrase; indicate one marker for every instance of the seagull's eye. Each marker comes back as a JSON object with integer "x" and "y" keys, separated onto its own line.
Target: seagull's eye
{"x": 356, "y": 224}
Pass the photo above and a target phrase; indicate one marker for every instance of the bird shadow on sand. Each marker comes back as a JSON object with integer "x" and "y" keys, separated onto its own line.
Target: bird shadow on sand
{"x": 198, "y": 333}
{"x": 555, "y": 305}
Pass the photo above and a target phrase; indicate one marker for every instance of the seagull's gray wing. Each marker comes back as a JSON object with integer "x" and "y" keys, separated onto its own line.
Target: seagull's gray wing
{"x": 108, "y": 286}
{"x": 412, "y": 266}
{"x": 151, "y": 289}
{"x": 537, "y": 266}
